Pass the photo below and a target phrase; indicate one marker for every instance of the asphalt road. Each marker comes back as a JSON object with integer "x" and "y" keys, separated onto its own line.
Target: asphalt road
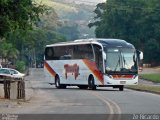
{"x": 46, "y": 99}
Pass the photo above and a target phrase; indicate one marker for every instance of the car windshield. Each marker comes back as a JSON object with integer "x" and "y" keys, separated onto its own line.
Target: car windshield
{"x": 122, "y": 60}
{"x": 13, "y": 72}
{"x": 4, "y": 71}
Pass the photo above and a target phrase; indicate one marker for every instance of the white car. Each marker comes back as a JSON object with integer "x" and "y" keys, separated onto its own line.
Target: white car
{"x": 11, "y": 73}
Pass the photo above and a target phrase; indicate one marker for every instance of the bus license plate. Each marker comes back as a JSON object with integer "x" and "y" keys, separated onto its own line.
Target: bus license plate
{"x": 122, "y": 82}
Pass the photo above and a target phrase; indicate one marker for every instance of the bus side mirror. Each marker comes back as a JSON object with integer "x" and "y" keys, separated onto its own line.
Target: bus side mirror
{"x": 104, "y": 55}
{"x": 140, "y": 55}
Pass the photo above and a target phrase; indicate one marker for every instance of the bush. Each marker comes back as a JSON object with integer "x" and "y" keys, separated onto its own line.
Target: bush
{"x": 21, "y": 66}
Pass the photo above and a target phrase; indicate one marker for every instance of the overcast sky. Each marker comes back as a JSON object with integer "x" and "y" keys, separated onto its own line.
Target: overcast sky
{"x": 96, "y": 1}
{"x": 89, "y": 1}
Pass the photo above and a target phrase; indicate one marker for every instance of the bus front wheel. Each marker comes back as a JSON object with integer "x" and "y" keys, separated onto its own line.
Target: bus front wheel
{"x": 91, "y": 83}
{"x": 57, "y": 83}
{"x": 121, "y": 87}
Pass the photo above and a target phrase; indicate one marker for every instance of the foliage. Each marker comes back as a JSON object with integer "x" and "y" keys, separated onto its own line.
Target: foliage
{"x": 136, "y": 21}
{"x": 72, "y": 17}
{"x": 147, "y": 88}
{"x": 21, "y": 66}
{"x": 26, "y": 27}
{"x": 22, "y": 36}
{"x": 48, "y": 21}
{"x": 18, "y": 14}
{"x": 151, "y": 77}
{"x": 70, "y": 31}
{"x": 31, "y": 43}
{"x": 8, "y": 51}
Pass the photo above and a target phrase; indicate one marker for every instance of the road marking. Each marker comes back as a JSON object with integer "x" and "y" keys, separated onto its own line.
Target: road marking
{"x": 113, "y": 107}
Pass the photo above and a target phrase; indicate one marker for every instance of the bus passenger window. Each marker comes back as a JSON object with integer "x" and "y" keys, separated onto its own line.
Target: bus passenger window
{"x": 49, "y": 53}
{"x": 65, "y": 57}
{"x": 83, "y": 52}
{"x": 98, "y": 57}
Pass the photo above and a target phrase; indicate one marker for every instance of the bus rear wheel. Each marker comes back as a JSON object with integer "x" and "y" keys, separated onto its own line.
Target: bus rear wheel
{"x": 91, "y": 83}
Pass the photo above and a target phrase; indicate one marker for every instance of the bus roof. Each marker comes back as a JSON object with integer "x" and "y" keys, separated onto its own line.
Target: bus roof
{"x": 102, "y": 41}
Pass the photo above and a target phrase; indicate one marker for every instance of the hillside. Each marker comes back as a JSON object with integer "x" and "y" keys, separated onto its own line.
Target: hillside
{"x": 77, "y": 15}
{"x": 86, "y": 2}
{"x": 60, "y": 8}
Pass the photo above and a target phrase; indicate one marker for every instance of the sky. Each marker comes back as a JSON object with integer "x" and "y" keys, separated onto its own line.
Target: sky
{"x": 88, "y": 1}
{"x": 96, "y": 0}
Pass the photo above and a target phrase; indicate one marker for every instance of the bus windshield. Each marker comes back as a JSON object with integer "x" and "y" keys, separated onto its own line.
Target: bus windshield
{"x": 121, "y": 60}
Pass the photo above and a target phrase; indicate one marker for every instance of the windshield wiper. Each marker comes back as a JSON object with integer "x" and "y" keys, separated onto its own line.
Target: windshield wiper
{"x": 125, "y": 63}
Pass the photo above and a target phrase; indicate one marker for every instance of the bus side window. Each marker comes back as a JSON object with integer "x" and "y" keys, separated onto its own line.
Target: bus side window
{"x": 59, "y": 51}
{"x": 69, "y": 52}
{"x": 77, "y": 52}
{"x": 83, "y": 52}
{"x": 49, "y": 53}
{"x": 63, "y": 53}
{"x": 90, "y": 52}
{"x": 65, "y": 57}
{"x": 98, "y": 57}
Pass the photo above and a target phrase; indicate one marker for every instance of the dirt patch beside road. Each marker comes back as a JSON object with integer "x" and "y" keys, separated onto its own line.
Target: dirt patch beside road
{"x": 150, "y": 70}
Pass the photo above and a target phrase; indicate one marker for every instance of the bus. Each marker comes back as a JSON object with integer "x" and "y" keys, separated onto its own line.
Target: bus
{"x": 92, "y": 63}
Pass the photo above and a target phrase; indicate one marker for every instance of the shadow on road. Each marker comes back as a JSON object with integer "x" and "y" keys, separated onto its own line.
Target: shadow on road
{"x": 74, "y": 89}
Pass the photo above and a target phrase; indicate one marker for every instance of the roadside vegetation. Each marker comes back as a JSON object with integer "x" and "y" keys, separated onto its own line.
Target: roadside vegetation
{"x": 151, "y": 77}
{"x": 147, "y": 87}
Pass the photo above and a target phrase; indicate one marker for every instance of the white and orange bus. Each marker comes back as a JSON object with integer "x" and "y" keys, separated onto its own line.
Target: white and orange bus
{"x": 91, "y": 63}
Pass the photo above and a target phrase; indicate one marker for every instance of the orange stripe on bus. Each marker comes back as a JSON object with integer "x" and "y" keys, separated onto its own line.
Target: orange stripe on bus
{"x": 92, "y": 66}
{"x": 50, "y": 70}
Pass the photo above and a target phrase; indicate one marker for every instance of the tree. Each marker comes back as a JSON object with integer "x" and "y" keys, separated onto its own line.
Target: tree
{"x": 8, "y": 51}
{"x": 31, "y": 43}
{"x": 49, "y": 20}
{"x": 16, "y": 18}
{"x": 98, "y": 11}
{"x": 18, "y": 14}
{"x": 153, "y": 50}
{"x": 136, "y": 21}
{"x": 69, "y": 30}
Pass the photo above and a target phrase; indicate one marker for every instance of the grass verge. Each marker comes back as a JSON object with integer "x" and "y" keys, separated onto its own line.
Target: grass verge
{"x": 151, "y": 77}
{"x": 147, "y": 88}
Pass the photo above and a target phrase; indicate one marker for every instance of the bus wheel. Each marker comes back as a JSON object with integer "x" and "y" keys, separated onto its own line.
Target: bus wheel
{"x": 121, "y": 87}
{"x": 91, "y": 83}
{"x": 57, "y": 82}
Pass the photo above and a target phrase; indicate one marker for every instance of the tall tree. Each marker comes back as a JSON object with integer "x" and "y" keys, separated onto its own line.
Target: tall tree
{"x": 18, "y": 14}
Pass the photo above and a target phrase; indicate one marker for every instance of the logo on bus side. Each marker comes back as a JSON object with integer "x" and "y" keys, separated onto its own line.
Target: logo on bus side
{"x": 73, "y": 69}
